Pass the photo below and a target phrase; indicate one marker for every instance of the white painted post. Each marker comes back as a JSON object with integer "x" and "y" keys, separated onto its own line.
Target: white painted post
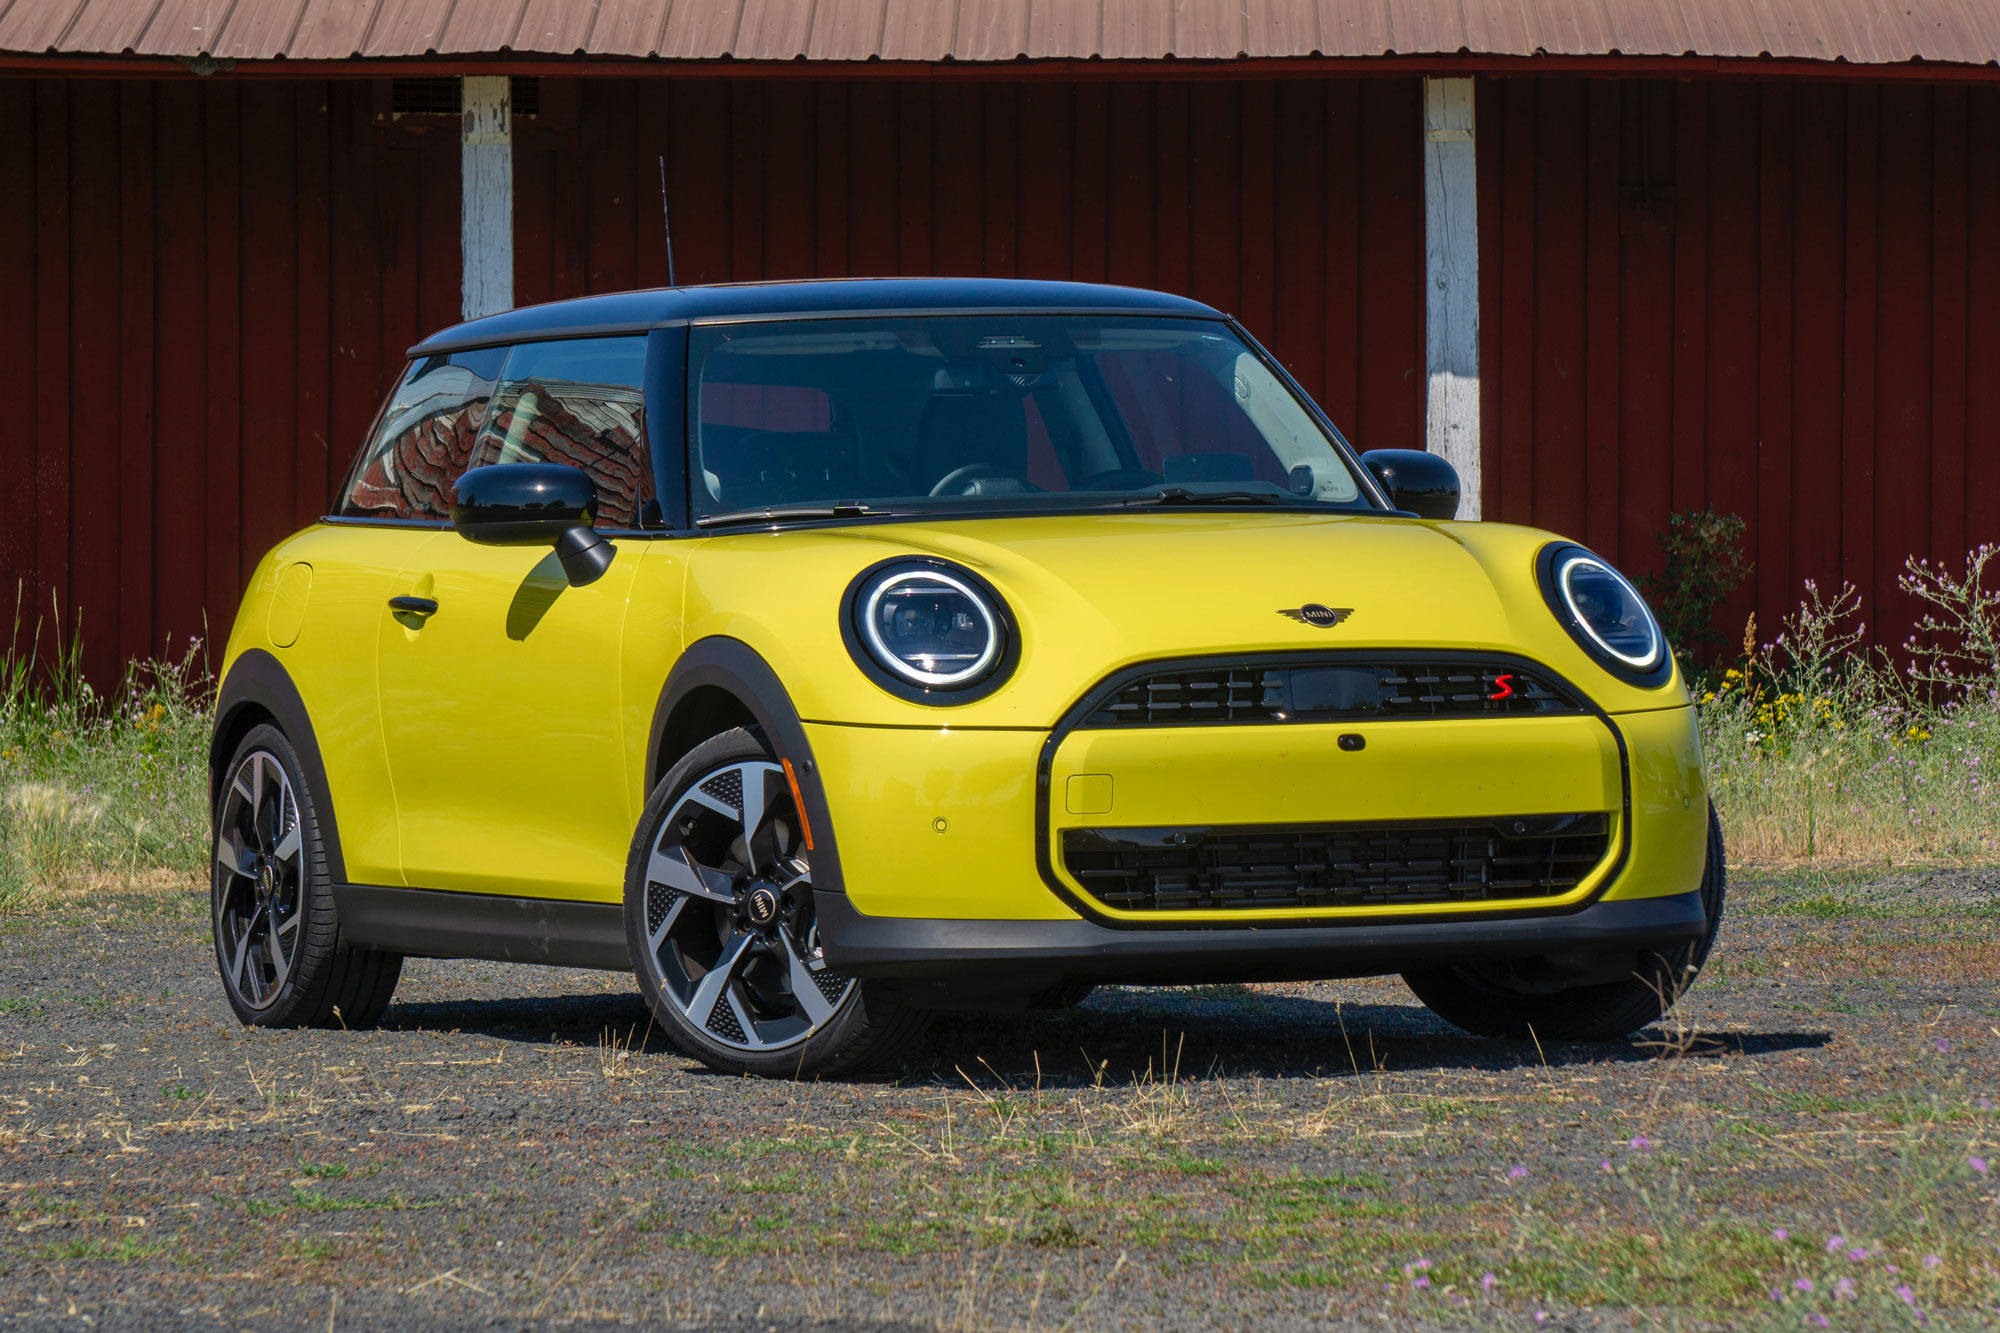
{"x": 486, "y": 184}
{"x": 1451, "y": 283}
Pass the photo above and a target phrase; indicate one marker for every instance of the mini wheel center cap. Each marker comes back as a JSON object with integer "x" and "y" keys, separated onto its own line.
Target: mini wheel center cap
{"x": 762, "y": 906}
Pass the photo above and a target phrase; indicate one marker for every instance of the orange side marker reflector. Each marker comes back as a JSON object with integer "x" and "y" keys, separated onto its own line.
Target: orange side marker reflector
{"x": 799, "y": 804}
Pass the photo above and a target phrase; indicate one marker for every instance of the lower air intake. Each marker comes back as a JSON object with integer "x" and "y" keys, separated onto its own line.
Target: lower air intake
{"x": 1250, "y": 867}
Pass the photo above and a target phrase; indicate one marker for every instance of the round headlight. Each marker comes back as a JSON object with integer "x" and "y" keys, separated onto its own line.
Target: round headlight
{"x": 1604, "y": 612}
{"x": 929, "y": 626}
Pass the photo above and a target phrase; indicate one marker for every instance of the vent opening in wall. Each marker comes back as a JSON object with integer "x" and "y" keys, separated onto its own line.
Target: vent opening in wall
{"x": 524, "y": 95}
{"x": 424, "y": 97}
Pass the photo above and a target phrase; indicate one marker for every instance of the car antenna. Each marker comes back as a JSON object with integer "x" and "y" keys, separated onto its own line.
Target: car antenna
{"x": 666, "y": 222}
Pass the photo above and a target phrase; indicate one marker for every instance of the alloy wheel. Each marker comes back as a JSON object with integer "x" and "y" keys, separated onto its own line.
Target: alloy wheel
{"x": 259, "y": 884}
{"x": 730, "y": 933}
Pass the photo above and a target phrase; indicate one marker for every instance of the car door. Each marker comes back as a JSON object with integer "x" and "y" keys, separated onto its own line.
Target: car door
{"x": 395, "y": 499}
{"x": 500, "y": 709}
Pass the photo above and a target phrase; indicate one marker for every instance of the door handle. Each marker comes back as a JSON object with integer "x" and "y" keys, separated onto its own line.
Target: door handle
{"x": 413, "y": 606}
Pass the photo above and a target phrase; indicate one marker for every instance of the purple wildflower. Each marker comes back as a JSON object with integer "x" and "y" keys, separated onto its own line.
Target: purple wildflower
{"x": 1977, "y": 1164}
{"x": 1932, "y": 1261}
{"x": 1835, "y": 1243}
{"x": 1604, "y": 1165}
{"x": 1944, "y": 1046}
{"x": 1905, "y": 1294}
{"x": 1843, "y": 1290}
{"x": 1779, "y": 1233}
{"x": 1517, "y": 1173}
{"x": 1421, "y": 1283}
{"x": 1488, "y": 1282}
{"x": 1804, "y": 1284}
{"x": 1817, "y": 1320}
{"x": 1857, "y": 1254}
{"x": 1641, "y": 1142}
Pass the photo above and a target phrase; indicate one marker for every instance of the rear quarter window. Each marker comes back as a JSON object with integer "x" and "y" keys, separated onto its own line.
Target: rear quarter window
{"x": 424, "y": 439}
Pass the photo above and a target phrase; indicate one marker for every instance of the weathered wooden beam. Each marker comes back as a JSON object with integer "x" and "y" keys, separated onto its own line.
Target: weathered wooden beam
{"x": 1451, "y": 282}
{"x": 486, "y": 209}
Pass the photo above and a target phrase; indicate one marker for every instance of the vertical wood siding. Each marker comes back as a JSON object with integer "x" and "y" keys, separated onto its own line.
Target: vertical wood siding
{"x": 1295, "y": 205}
{"x": 206, "y": 287}
{"x": 1757, "y": 298}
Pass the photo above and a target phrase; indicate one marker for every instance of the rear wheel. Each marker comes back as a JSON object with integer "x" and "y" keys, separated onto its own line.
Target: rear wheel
{"x": 719, "y": 917}
{"x": 1492, "y": 999}
{"x": 277, "y": 936}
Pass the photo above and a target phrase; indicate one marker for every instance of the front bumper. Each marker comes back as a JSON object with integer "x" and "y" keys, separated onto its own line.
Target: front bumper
{"x": 970, "y": 959}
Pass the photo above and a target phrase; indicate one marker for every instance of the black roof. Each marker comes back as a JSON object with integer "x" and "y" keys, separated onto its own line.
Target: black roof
{"x": 627, "y": 312}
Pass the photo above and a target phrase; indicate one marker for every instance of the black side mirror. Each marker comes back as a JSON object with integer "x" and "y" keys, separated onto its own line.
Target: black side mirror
{"x": 1423, "y": 484}
{"x": 535, "y": 504}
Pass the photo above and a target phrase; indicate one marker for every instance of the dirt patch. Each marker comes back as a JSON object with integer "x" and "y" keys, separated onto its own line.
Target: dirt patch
{"x": 514, "y": 1148}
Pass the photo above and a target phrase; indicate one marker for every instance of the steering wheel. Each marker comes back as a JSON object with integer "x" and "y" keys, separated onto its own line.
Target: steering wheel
{"x": 951, "y": 481}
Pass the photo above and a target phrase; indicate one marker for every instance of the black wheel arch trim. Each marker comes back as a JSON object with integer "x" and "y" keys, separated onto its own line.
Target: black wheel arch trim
{"x": 733, "y": 666}
{"x": 257, "y": 680}
{"x": 1074, "y": 720}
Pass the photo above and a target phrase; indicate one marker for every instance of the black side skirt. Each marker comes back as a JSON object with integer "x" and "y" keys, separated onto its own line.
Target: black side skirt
{"x": 428, "y": 923}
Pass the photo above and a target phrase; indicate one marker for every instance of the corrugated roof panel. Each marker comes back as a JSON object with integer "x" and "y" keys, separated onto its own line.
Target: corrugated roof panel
{"x": 332, "y": 29}
{"x": 406, "y": 27}
{"x": 1212, "y": 27}
{"x": 1064, "y": 29}
{"x": 916, "y": 30}
{"x": 187, "y": 27}
{"x": 1863, "y": 32}
{"x": 994, "y": 31}
{"x": 628, "y": 27}
{"x": 473, "y": 26}
{"x": 94, "y": 25}
{"x": 557, "y": 26}
{"x": 701, "y": 29}
{"x": 773, "y": 29}
{"x": 845, "y": 30}
{"x": 258, "y": 32}
{"x": 1279, "y": 27}
{"x": 1138, "y": 30}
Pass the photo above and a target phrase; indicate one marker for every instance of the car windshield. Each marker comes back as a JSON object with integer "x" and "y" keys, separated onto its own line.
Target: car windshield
{"x": 968, "y": 414}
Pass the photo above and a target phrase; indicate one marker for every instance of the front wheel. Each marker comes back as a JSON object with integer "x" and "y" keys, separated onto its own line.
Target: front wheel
{"x": 719, "y": 917}
{"x": 1488, "y": 999}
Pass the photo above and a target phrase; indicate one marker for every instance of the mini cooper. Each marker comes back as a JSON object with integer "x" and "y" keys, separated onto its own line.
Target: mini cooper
{"x": 828, "y": 654}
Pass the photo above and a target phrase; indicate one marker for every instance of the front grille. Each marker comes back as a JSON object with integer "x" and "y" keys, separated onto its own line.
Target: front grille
{"x": 1335, "y": 865}
{"x": 1322, "y": 690}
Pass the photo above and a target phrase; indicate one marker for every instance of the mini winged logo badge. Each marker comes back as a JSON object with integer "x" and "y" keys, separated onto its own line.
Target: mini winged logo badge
{"x": 1319, "y": 617}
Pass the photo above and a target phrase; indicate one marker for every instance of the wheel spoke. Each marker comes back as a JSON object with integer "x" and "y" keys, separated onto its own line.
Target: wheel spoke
{"x": 233, "y": 856}
{"x": 658, "y": 936}
{"x": 281, "y": 962}
{"x": 805, "y": 991}
{"x": 673, "y": 867}
{"x": 238, "y": 964}
{"x": 702, "y": 1006}
{"x": 288, "y": 846}
{"x": 257, "y": 762}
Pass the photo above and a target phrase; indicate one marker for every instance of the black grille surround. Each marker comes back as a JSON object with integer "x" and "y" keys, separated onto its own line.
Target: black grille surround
{"x": 1355, "y": 687}
{"x": 1259, "y": 867}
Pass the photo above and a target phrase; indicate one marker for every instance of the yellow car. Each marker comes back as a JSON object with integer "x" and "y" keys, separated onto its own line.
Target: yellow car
{"x": 830, "y": 653}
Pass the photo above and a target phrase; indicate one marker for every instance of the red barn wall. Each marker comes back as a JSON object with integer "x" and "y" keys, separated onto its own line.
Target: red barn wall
{"x": 208, "y": 284}
{"x": 1770, "y": 299}
{"x": 205, "y": 284}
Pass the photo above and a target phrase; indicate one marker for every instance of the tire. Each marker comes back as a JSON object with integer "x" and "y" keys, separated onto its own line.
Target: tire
{"x": 1484, "y": 999}
{"x": 719, "y": 919}
{"x": 277, "y": 935}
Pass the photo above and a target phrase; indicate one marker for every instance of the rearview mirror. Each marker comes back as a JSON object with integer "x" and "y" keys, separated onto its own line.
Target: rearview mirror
{"x": 1420, "y": 483}
{"x": 535, "y": 504}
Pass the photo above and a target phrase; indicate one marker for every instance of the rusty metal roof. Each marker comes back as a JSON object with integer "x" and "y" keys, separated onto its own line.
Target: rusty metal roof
{"x": 1862, "y": 32}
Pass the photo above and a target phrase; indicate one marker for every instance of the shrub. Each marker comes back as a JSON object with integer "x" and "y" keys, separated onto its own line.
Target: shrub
{"x": 1704, "y": 564}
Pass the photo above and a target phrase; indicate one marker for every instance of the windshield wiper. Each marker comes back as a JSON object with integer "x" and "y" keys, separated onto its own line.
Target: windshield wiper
{"x": 787, "y": 514}
{"x": 1177, "y": 495}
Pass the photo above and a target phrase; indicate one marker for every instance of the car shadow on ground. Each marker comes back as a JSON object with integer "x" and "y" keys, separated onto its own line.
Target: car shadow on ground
{"x": 1133, "y": 1037}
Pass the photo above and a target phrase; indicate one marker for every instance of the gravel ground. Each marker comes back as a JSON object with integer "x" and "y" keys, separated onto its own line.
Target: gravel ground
{"x": 511, "y": 1149}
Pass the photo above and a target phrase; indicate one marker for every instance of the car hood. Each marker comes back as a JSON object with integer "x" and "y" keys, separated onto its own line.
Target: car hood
{"x": 1096, "y": 593}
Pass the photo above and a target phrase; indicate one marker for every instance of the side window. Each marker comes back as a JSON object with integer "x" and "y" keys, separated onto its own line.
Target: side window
{"x": 580, "y": 402}
{"x": 424, "y": 438}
